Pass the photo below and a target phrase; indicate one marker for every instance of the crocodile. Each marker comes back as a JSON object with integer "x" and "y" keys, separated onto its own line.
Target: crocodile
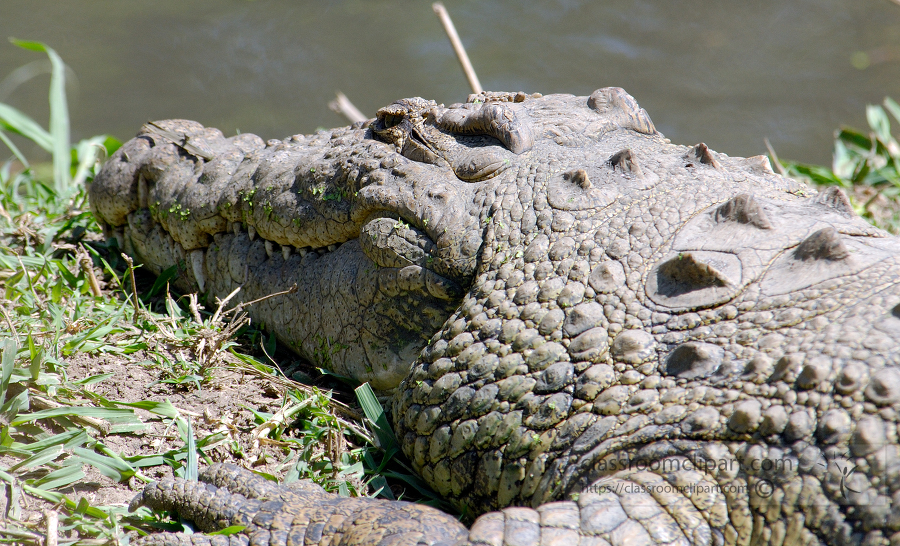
{"x": 588, "y": 334}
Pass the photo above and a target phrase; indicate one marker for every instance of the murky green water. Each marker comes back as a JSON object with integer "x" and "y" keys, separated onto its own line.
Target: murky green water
{"x": 728, "y": 73}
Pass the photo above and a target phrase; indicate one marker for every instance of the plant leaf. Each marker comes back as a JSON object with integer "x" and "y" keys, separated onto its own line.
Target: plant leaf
{"x": 375, "y": 413}
{"x": 59, "y": 115}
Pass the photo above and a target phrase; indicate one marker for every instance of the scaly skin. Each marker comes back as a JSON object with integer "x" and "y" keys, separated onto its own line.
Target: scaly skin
{"x": 633, "y": 342}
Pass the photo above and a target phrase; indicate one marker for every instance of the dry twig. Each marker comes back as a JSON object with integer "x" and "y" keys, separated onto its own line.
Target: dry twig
{"x": 51, "y": 517}
{"x": 342, "y": 105}
{"x": 134, "y": 299}
{"x": 441, "y": 12}
{"x": 775, "y": 159}
{"x": 87, "y": 265}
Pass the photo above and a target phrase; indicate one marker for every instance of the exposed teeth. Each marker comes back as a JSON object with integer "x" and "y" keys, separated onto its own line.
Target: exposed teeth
{"x": 236, "y": 227}
{"x": 198, "y": 257}
{"x": 270, "y": 248}
{"x": 302, "y": 251}
{"x": 286, "y": 252}
{"x": 332, "y": 248}
{"x": 321, "y": 251}
{"x": 251, "y": 231}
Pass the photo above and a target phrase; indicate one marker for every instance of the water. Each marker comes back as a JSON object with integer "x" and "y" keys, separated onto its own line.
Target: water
{"x": 729, "y": 73}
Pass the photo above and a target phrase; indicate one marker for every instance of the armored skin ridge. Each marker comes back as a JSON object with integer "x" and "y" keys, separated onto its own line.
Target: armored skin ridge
{"x": 590, "y": 335}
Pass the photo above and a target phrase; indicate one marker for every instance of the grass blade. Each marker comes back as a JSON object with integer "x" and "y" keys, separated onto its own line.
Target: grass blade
{"x": 66, "y": 475}
{"x": 83, "y": 411}
{"x": 7, "y": 363}
{"x": 39, "y": 458}
{"x": 59, "y": 115}
{"x": 112, "y": 467}
{"x": 166, "y": 409}
{"x": 191, "y": 466}
{"x": 17, "y": 122}
{"x": 68, "y": 439}
{"x": 15, "y": 149}
{"x": 375, "y": 413}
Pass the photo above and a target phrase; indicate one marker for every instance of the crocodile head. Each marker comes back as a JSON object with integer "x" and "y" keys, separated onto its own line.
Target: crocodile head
{"x": 380, "y": 226}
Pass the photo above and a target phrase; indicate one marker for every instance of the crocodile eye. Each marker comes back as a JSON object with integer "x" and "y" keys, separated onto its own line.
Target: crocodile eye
{"x": 391, "y": 121}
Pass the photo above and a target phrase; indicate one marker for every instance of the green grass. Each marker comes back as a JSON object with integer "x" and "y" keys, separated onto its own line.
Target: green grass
{"x": 863, "y": 161}
{"x": 69, "y": 293}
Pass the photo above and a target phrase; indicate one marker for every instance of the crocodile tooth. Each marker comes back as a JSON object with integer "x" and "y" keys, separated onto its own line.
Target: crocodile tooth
{"x": 743, "y": 209}
{"x": 302, "y": 251}
{"x": 332, "y": 248}
{"x": 703, "y": 154}
{"x": 824, "y": 244}
{"x": 270, "y": 250}
{"x": 626, "y": 162}
{"x": 835, "y": 198}
{"x": 236, "y": 227}
{"x": 286, "y": 252}
{"x": 580, "y": 177}
{"x": 229, "y": 226}
{"x": 251, "y": 232}
{"x": 198, "y": 259}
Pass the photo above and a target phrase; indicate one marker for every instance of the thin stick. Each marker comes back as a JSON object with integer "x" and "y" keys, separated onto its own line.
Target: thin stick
{"x": 87, "y": 265}
{"x": 342, "y": 105}
{"x": 37, "y": 300}
{"x": 10, "y": 322}
{"x": 441, "y": 12}
{"x": 772, "y": 153}
{"x": 42, "y": 403}
{"x": 130, "y": 263}
{"x": 291, "y": 290}
{"x": 51, "y": 517}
